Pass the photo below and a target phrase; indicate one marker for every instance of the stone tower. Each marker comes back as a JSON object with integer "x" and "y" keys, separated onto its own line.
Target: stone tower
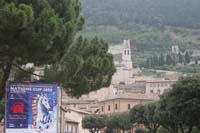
{"x": 175, "y": 49}
{"x": 126, "y": 55}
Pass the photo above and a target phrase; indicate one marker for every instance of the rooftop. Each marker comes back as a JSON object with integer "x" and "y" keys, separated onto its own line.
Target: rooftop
{"x": 134, "y": 96}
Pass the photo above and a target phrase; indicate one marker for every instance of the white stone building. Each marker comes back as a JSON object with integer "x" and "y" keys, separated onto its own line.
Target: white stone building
{"x": 175, "y": 49}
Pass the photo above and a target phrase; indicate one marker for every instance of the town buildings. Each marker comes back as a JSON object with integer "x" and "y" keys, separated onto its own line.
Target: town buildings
{"x": 71, "y": 120}
{"x": 124, "y": 68}
{"x": 125, "y": 91}
{"x": 124, "y": 102}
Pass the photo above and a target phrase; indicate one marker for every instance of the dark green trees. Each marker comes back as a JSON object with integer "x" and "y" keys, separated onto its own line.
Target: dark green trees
{"x": 146, "y": 115}
{"x": 112, "y": 123}
{"x": 94, "y": 122}
{"x": 185, "y": 103}
{"x": 86, "y": 66}
{"x": 37, "y": 31}
{"x": 42, "y": 32}
{"x": 187, "y": 58}
{"x": 119, "y": 121}
{"x": 177, "y": 110}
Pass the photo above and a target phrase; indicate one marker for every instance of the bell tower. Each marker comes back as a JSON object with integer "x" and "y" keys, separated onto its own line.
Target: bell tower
{"x": 126, "y": 55}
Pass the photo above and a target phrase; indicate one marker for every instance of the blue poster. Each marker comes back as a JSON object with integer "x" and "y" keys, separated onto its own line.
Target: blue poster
{"x": 31, "y": 108}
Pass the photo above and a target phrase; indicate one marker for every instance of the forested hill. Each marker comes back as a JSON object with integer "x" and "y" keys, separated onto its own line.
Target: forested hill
{"x": 150, "y": 24}
{"x": 181, "y": 13}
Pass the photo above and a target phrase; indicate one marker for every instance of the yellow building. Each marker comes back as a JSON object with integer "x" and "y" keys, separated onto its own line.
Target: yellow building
{"x": 124, "y": 102}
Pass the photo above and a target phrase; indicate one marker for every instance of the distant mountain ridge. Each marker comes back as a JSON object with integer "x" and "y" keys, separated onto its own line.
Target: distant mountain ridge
{"x": 152, "y": 25}
{"x": 180, "y": 13}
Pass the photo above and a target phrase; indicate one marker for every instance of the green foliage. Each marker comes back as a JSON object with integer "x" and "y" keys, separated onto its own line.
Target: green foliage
{"x": 169, "y": 60}
{"x": 137, "y": 114}
{"x": 141, "y": 130}
{"x": 187, "y": 58}
{"x": 42, "y": 32}
{"x": 185, "y": 101}
{"x": 2, "y": 110}
{"x": 177, "y": 110}
{"x": 180, "y": 58}
{"x": 38, "y": 31}
{"x": 86, "y": 66}
{"x": 151, "y": 25}
{"x": 166, "y": 119}
{"x": 119, "y": 121}
{"x": 163, "y": 130}
{"x": 125, "y": 122}
{"x": 145, "y": 114}
{"x": 127, "y": 12}
{"x": 94, "y": 122}
{"x": 21, "y": 76}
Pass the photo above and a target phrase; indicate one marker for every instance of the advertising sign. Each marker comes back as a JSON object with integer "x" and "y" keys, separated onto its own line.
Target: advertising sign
{"x": 31, "y": 108}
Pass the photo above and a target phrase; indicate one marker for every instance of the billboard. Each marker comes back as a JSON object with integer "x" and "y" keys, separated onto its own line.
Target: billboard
{"x": 31, "y": 108}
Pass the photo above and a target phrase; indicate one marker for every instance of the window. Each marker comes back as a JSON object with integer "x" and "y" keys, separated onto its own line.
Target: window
{"x": 67, "y": 128}
{"x": 129, "y": 106}
{"x": 71, "y": 128}
{"x": 151, "y": 91}
{"x": 102, "y": 108}
{"x": 128, "y": 52}
{"x": 108, "y": 107}
{"x": 116, "y": 106}
{"x": 125, "y": 52}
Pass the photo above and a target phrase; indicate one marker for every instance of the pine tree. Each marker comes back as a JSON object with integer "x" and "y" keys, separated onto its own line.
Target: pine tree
{"x": 169, "y": 60}
{"x": 180, "y": 58}
{"x": 187, "y": 58}
{"x": 161, "y": 60}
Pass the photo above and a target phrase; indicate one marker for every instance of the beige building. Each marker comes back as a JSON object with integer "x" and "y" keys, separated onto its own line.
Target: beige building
{"x": 124, "y": 102}
{"x": 71, "y": 120}
{"x": 79, "y": 104}
{"x": 1, "y": 127}
{"x": 124, "y": 68}
{"x": 101, "y": 94}
{"x": 156, "y": 86}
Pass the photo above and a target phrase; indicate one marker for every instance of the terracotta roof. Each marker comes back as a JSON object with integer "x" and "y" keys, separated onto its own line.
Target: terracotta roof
{"x": 155, "y": 81}
{"x": 78, "y": 101}
{"x": 75, "y": 110}
{"x": 80, "y": 111}
{"x": 158, "y": 81}
{"x": 134, "y": 96}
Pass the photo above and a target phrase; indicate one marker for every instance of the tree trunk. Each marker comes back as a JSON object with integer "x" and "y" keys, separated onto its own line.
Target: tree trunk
{"x": 190, "y": 129}
{"x": 154, "y": 130}
{"x": 6, "y": 73}
{"x": 182, "y": 130}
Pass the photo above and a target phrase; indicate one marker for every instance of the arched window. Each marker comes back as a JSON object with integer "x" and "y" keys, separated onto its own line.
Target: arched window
{"x": 108, "y": 107}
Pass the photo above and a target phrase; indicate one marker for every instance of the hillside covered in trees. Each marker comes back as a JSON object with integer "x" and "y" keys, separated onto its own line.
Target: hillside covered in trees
{"x": 150, "y": 24}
